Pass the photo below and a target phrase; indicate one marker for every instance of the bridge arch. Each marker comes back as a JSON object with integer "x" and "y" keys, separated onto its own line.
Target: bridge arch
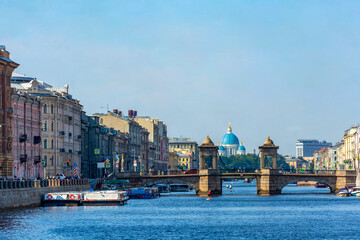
{"x": 151, "y": 182}
{"x": 331, "y": 184}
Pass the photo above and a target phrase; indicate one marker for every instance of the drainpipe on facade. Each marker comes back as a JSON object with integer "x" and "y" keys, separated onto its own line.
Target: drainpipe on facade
{"x": 32, "y": 138}
{"x": 17, "y": 132}
{"x": 25, "y": 143}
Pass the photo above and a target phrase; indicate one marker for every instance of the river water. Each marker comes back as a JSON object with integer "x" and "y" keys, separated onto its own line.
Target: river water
{"x": 299, "y": 213}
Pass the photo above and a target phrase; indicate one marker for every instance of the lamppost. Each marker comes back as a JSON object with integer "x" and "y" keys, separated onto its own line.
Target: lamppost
{"x": 134, "y": 162}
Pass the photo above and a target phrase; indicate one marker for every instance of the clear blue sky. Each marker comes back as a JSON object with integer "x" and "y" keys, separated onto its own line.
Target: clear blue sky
{"x": 288, "y": 69}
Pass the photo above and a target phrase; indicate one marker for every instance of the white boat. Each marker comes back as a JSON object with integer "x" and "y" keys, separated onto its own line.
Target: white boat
{"x": 355, "y": 191}
{"x": 62, "y": 199}
{"x": 163, "y": 188}
{"x": 343, "y": 192}
{"x": 110, "y": 197}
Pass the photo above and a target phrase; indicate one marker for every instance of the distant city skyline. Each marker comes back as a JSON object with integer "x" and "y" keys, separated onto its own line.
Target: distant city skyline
{"x": 288, "y": 70}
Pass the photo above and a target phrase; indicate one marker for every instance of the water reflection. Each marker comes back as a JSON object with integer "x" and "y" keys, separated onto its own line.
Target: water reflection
{"x": 238, "y": 214}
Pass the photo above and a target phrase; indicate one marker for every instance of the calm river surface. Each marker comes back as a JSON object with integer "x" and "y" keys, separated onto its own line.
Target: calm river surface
{"x": 300, "y": 213}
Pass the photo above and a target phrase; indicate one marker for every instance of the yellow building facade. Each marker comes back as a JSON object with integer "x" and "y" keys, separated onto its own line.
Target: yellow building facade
{"x": 173, "y": 161}
{"x": 350, "y": 148}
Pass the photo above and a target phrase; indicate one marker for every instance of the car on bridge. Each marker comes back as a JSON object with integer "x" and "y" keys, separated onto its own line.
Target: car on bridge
{"x": 191, "y": 171}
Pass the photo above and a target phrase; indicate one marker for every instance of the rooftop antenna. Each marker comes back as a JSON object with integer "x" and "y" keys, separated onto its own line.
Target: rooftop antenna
{"x": 107, "y": 107}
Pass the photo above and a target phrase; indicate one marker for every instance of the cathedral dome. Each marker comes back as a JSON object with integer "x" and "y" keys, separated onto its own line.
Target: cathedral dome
{"x": 241, "y": 148}
{"x": 221, "y": 148}
{"x": 229, "y": 138}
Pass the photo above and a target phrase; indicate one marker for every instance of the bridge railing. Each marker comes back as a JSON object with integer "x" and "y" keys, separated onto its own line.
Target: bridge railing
{"x": 302, "y": 171}
{"x": 281, "y": 171}
{"x": 242, "y": 170}
{"x": 10, "y": 184}
{"x": 150, "y": 173}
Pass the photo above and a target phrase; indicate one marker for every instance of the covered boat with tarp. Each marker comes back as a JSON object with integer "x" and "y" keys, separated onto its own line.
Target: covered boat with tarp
{"x": 114, "y": 184}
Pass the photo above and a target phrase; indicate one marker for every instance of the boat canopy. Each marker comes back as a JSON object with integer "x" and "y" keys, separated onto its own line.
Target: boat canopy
{"x": 116, "y": 181}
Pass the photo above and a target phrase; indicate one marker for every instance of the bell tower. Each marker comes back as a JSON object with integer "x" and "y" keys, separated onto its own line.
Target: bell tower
{"x": 7, "y": 66}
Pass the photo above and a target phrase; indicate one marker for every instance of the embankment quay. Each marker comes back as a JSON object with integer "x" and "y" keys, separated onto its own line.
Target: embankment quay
{"x": 269, "y": 181}
{"x": 27, "y": 193}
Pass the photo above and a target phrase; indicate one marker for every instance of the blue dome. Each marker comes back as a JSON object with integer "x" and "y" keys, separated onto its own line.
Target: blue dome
{"x": 230, "y": 139}
{"x": 241, "y": 148}
{"x": 221, "y": 148}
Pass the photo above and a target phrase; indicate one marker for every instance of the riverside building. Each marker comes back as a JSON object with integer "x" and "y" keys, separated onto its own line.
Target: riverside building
{"x": 307, "y": 147}
{"x": 103, "y": 149}
{"x": 61, "y": 125}
{"x": 26, "y": 125}
{"x": 7, "y": 66}
{"x": 188, "y": 147}
{"x": 158, "y": 137}
{"x": 134, "y": 132}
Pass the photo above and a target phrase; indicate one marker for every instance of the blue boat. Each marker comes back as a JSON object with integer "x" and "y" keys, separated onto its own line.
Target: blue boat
{"x": 143, "y": 193}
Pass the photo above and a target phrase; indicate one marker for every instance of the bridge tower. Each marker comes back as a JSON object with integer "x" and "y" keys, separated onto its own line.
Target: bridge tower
{"x": 209, "y": 179}
{"x": 206, "y": 149}
{"x": 268, "y": 149}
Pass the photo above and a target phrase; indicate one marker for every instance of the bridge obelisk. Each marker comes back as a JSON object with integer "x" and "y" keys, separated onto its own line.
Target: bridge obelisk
{"x": 210, "y": 177}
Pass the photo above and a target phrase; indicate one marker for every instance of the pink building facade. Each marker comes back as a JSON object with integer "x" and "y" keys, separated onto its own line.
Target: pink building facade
{"x": 26, "y": 132}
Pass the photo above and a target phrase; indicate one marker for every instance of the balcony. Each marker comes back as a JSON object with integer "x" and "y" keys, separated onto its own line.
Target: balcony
{"x": 37, "y": 159}
{"x": 23, "y": 158}
{"x": 37, "y": 139}
{"x": 23, "y": 138}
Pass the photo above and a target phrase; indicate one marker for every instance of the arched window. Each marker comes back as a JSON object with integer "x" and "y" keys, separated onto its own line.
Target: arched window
{"x": 45, "y": 126}
{"x": 52, "y": 143}
{"x": 52, "y": 126}
{"x": 45, "y": 143}
{"x": 45, "y": 108}
{"x": 52, "y": 108}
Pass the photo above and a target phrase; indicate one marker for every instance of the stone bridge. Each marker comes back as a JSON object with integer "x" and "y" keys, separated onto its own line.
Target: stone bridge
{"x": 269, "y": 181}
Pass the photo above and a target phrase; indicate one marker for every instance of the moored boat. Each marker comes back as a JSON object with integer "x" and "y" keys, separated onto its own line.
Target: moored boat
{"x": 179, "y": 188}
{"x": 62, "y": 199}
{"x": 104, "y": 198}
{"x": 343, "y": 192}
{"x": 355, "y": 191}
{"x": 163, "y": 188}
{"x": 320, "y": 185}
{"x": 143, "y": 193}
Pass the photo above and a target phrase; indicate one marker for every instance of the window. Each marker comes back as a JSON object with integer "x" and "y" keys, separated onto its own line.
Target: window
{"x": 52, "y": 126}
{"x": 52, "y": 143}
{"x": 45, "y": 108}
{"x": 52, "y": 108}
{"x": 45, "y": 126}
{"x": 45, "y": 143}
{"x": 52, "y": 160}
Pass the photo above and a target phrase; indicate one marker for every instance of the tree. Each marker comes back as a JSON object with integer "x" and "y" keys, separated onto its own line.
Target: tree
{"x": 250, "y": 162}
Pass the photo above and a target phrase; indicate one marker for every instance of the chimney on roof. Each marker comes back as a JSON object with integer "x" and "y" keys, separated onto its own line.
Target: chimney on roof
{"x": 134, "y": 113}
{"x": 3, "y": 52}
{"x": 120, "y": 113}
{"x": 115, "y": 111}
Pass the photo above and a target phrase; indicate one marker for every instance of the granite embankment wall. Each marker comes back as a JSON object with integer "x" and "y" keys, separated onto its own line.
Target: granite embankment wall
{"x": 28, "y": 193}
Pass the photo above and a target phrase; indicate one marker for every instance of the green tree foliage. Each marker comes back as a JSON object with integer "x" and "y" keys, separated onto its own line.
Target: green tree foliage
{"x": 250, "y": 161}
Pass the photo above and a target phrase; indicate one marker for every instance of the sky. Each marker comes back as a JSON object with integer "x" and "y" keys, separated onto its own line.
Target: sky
{"x": 284, "y": 69}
